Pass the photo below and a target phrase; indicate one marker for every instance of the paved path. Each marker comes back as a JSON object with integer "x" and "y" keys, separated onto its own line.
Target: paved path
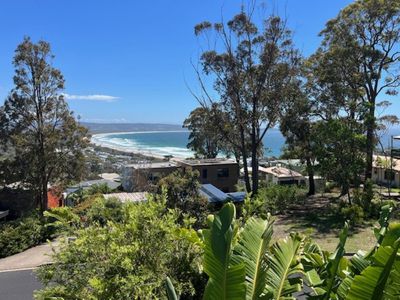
{"x": 18, "y": 285}
{"x": 29, "y": 259}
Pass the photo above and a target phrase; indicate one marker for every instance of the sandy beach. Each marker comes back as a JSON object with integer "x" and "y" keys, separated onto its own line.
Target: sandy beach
{"x": 99, "y": 140}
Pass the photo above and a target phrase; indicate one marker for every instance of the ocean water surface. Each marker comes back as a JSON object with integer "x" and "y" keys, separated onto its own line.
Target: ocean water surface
{"x": 160, "y": 143}
{"x": 174, "y": 143}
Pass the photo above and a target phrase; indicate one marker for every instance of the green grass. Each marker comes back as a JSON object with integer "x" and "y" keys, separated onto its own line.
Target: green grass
{"x": 318, "y": 219}
{"x": 361, "y": 238}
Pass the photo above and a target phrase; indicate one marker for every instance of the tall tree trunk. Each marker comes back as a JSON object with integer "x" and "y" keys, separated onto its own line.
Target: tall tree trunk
{"x": 311, "y": 183}
{"x": 244, "y": 157}
{"x": 254, "y": 162}
{"x": 44, "y": 197}
{"x": 370, "y": 122}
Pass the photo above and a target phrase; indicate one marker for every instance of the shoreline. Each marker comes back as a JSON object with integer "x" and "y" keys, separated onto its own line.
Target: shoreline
{"x": 136, "y": 132}
{"x": 94, "y": 141}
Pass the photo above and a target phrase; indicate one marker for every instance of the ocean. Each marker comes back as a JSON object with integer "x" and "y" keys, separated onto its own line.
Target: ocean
{"x": 160, "y": 143}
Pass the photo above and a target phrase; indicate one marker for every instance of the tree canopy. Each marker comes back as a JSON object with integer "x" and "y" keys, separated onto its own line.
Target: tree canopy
{"x": 36, "y": 125}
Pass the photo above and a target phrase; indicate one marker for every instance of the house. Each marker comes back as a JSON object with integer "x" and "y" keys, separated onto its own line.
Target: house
{"x": 281, "y": 175}
{"x": 222, "y": 173}
{"x": 278, "y": 175}
{"x": 136, "y": 177}
{"x": 55, "y": 198}
{"x": 84, "y": 185}
{"x": 386, "y": 171}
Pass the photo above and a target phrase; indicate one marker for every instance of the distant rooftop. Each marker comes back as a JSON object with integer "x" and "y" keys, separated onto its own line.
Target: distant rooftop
{"x": 127, "y": 197}
{"x": 153, "y": 165}
{"x": 210, "y": 161}
{"x": 383, "y": 162}
{"x": 280, "y": 172}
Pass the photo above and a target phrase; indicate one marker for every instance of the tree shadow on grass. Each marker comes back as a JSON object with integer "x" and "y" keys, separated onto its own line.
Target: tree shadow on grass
{"x": 319, "y": 215}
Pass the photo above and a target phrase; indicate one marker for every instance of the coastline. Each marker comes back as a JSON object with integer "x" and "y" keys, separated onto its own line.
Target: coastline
{"x": 94, "y": 140}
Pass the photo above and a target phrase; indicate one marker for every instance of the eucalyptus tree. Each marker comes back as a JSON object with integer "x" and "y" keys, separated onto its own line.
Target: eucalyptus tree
{"x": 361, "y": 54}
{"x": 203, "y": 138}
{"x": 297, "y": 124}
{"x": 250, "y": 67}
{"x": 37, "y": 126}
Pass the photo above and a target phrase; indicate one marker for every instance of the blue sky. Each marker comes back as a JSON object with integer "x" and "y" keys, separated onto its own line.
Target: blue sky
{"x": 136, "y": 52}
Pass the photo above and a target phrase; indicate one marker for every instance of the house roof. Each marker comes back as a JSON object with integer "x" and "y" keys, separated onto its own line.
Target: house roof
{"x": 110, "y": 176}
{"x": 383, "y": 162}
{"x": 207, "y": 162}
{"x": 280, "y": 172}
{"x": 128, "y": 197}
{"x": 153, "y": 165}
{"x": 87, "y": 184}
{"x": 214, "y": 194}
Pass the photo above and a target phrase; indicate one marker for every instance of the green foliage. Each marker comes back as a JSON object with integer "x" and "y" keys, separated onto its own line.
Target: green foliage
{"x": 182, "y": 192}
{"x": 274, "y": 199}
{"x": 365, "y": 198}
{"x": 204, "y": 140}
{"x": 21, "y": 234}
{"x": 251, "y": 74}
{"x": 105, "y": 210}
{"x": 339, "y": 151}
{"x": 62, "y": 220}
{"x": 354, "y": 213}
{"x": 251, "y": 248}
{"x": 241, "y": 265}
{"x": 171, "y": 294}
{"x": 226, "y": 276}
{"x": 37, "y": 126}
{"x": 82, "y": 195}
{"x": 128, "y": 259}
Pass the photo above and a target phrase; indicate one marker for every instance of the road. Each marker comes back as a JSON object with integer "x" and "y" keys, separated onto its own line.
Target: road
{"x": 18, "y": 285}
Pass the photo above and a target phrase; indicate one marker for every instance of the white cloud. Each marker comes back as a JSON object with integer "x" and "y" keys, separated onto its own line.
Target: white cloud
{"x": 95, "y": 97}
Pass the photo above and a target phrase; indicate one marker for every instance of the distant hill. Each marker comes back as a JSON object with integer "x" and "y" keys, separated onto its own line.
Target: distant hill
{"x": 126, "y": 127}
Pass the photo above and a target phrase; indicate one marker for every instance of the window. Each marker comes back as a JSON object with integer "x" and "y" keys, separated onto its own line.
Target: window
{"x": 389, "y": 175}
{"x": 204, "y": 173}
{"x": 223, "y": 173}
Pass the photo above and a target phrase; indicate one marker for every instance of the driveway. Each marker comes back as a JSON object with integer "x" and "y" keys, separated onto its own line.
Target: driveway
{"x": 17, "y": 278}
{"x": 18, "y": 285}
{"x": 29, "y": 259}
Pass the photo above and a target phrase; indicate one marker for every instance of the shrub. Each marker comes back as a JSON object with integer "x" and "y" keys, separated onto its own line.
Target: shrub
{"x": 181, "y": 189}
{"x": 104, "y": 210}
{"x": 18, "y": 235}
{"x": 128, "y": 259}
{"x": 274, "y": 199}
{"x": 329, "y": 186}
{"x": 352, "y": 213}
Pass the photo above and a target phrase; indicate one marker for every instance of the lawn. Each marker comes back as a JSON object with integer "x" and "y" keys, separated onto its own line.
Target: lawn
{"x": 314, "y": 219}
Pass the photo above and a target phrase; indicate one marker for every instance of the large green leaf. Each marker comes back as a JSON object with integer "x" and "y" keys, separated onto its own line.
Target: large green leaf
{"x": 380, "y": 280}
{"x": 171, "y": 294}
{"x": 226, "y": 279}
{"x": 284, "y": 268}
{"x": 336, "y": 263}
{"x": 251, "y": 249}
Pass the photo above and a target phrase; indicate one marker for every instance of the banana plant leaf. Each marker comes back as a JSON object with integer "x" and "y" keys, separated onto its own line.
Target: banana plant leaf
{"x": 226, "y": 279}
{"x": 252, "y": 248}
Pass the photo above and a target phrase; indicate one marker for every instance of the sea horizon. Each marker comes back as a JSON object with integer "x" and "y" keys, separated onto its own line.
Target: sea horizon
{"x": 160, "y": 143}
{"x": 170, "y": 142}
